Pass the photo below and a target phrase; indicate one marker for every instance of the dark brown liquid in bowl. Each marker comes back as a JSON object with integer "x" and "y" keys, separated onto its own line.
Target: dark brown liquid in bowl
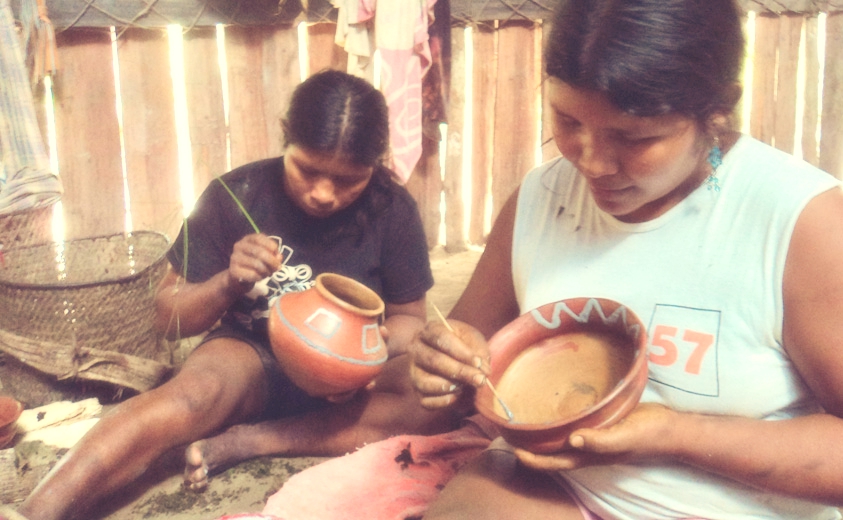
{"x": 562, "y": 376}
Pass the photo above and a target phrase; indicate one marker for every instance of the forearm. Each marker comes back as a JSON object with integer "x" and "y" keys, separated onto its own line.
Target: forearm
{"x": 402, "y": 328}
{"x": 402, "y": 322}
{"x": 799, "y": 457}
{"x": 186, "y": 309}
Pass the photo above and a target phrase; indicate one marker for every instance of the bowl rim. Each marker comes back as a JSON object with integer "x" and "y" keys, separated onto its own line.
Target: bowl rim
{"x": 629, "y": 320}
{"x": 325, "y": 282}
{"x": 17, "y": 407}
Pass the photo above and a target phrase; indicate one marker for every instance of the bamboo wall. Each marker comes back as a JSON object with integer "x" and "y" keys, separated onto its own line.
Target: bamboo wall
{"x": 107, "y": 166}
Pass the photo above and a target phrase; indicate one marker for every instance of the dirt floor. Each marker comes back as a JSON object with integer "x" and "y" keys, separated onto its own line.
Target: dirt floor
{"x": 243, "y": 488}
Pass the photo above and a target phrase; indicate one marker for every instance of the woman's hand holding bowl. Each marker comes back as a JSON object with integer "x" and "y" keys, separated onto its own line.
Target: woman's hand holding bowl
{"x": 642, "y": 435}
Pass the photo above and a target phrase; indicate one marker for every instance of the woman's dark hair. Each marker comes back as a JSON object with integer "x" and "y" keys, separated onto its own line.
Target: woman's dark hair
{"x": 651, "y": 57}
{"x": 335, "y": 112}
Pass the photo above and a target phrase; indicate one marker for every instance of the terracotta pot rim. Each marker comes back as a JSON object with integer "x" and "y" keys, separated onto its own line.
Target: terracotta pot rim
{"x": 13, "y": 408}
{"x": 638, "y": 369}
{"x": 371, "y": 297}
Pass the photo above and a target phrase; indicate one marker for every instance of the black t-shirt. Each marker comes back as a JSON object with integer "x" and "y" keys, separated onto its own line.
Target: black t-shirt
{"x": 378, "y": 240}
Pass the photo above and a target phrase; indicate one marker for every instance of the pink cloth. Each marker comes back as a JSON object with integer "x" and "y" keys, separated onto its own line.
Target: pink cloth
{"x": 388, "y": 480}
{"x": 398, "y": 29}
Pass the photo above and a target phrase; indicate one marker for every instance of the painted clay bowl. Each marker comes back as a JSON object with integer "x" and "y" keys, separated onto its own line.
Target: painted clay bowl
{"x": 327, "y": 338}
{"x": 10, "y": 410}
{"x": 577, "y": 363}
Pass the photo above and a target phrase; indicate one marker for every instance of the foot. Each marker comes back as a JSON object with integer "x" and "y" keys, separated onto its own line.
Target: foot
{"x": 196, "y": 470}
{"x": 215, "y": 454}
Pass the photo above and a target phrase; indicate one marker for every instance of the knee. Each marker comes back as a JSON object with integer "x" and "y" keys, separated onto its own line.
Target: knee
{"x": 192, "y": 394}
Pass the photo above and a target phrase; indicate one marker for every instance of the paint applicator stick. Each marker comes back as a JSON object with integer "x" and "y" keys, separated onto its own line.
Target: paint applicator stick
{"x": 506, "y": 409}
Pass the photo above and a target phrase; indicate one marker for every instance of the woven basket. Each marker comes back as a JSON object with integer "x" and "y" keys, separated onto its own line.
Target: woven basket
{"x": 85, "y": 308}
{"x": 26, "y": 227}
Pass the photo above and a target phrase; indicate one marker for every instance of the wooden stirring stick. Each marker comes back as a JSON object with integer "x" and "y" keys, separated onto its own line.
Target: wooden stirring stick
{"x": 506, "y": 409}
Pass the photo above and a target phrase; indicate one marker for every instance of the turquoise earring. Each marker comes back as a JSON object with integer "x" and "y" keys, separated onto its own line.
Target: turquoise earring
{"x": 715, "y": 159}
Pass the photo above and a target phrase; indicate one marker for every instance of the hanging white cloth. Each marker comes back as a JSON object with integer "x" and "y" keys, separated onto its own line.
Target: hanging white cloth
{"x": 398, "y": 30}
{"x": 26, "y": 180}
{"x": 356, "y": 35}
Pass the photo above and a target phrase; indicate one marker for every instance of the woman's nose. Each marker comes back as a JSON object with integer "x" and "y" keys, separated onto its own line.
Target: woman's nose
{"x": 593, "y": 156}
{"x": 597, "y": 158}
{"x": 322, "y": 192}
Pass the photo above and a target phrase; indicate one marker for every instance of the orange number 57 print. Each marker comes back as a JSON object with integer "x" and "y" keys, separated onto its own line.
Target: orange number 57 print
{"x": 665, "y": 352}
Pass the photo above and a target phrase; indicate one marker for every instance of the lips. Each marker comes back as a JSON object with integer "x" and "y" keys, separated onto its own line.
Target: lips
{"x": 608, "y": 191}
{"x": 318, "y": 213}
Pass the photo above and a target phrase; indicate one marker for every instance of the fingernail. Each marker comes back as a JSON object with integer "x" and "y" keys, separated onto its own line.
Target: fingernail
{"x": 452, "y": 388}
{"x": 577, "y": 442}
{"x": 478, "y": 379}
{"x": 477, "y": 362}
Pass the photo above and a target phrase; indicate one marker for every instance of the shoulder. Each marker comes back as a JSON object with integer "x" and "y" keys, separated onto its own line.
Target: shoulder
{"x": 251, "y": 176}
{"x": 256, "y": 171}
{"x": 755, "y": 157}
{"x": 249, "y": 184}
{"x": 770, "y": 178}
{"x": 813, "y": 298}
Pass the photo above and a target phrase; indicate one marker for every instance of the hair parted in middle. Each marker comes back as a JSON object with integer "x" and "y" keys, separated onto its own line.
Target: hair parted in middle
{"x": 651, "y": 57}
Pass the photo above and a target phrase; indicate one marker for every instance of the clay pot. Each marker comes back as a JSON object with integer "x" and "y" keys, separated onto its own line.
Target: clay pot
{"x": 327, "y": 338}
{"x": 577, "y": 363}
{"x": 10, "y": 410}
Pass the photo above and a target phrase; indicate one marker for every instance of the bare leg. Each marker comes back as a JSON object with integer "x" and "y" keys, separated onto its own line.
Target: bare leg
{"x": 390, "y": 408}
{"x": 220, "y": 384}
{"x": 495, "y": 486}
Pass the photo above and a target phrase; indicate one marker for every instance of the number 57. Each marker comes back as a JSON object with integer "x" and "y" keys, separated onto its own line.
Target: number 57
{"x": 664, "y": 338}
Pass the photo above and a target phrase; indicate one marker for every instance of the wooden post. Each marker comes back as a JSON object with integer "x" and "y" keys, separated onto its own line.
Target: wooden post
{"x": 425, "y": 185}
{"x": 205, "y": 111}
{"x": 262, "y": 73}
{"x": 281, "y": 74}
{"x": 810, "y": 117}
{"x": 549, "y": 148}
{"x": 149, "y": 131}
{"x": 88, "y": 136}
{"x": 790, "y": 31}
{"x": 516, "y": 109}
{"x": 454, "y": 207}
{"x": 831, "y": 153}
{"x": 762, "y": 119}
{"x": 247, "y": 124}
{"x": 483, "y": 122}
{"x": 321, "y": 49}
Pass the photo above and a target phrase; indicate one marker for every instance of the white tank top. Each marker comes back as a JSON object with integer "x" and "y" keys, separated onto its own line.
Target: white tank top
{"x": 706, "y": 280}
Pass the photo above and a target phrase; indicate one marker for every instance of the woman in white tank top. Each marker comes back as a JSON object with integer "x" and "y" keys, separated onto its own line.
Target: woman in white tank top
{"x": 659, "y": 204}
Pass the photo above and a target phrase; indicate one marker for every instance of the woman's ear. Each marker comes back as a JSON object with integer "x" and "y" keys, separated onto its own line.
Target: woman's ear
{"x": 729, "y": 102}
{"x": 723, "y": 118}
{"x": 733, "y": 94}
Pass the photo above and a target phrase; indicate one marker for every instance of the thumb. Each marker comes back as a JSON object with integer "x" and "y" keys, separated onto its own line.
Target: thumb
{"x": 588, "y": 439}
